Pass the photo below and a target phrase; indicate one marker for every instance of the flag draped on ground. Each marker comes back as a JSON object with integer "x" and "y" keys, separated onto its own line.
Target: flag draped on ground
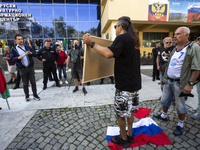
{"x": 4, "y": 91}
{"x": 145, "y": 130}
{"x": 142, "y": 112}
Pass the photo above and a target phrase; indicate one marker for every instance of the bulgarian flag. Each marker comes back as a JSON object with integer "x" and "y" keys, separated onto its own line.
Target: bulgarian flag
{"x": 145, "y": 130}
{"x": 4, "y": 91}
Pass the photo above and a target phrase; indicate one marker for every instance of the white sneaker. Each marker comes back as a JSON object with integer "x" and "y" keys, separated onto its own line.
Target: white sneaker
{"x": 66, "y": 82}
{"x": 60, "y": 82}
{"x": 196, "y": 116}
{"x": 193, "y": 110}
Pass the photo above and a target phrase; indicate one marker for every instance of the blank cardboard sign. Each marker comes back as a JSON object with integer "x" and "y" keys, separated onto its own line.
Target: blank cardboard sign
{"x": 96, "y": 66}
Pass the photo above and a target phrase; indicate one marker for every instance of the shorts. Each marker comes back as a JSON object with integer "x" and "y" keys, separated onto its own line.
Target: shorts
{"x": 11, "y": 68}
{"x": 171, "y": 90}
{"x": 77, "y": 73}
{"x": 125, "y": 102}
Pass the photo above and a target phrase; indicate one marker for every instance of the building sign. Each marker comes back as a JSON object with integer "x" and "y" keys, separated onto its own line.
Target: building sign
{"x": 157, "y": 10}
{"x": 184, "y": 11}
{"x": 10, "y": 13}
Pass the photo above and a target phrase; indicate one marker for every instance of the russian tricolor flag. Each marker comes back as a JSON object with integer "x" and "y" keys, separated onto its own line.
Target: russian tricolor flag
{"x": 145, "y": 130}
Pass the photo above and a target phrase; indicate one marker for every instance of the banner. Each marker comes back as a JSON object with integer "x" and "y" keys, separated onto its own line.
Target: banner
{"x": 157, "y": 10}
{"x": 184, "y": 11}
{"x": 96, "y": 66}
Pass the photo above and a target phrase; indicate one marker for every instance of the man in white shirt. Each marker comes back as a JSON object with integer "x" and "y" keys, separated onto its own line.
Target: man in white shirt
{"x": 181, "y": 72}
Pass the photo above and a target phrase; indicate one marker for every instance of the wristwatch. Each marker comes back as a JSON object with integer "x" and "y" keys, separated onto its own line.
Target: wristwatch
{"x": 191, "y": 83}
{"x": 92, "y": 44}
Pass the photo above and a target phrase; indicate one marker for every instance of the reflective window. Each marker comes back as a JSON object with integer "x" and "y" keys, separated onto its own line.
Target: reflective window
{"x": 47, "y": 13}
{"x": 24, "y": 8}
{"x": 35, "y": 11}
{"x": 11, "y": 29}
{"x": 95, "y": 2}
{"x": 48, "y": 30}
{"x": 24, "y": 28}
{"x": 84, "y": 27}
{"x": 36, "y": 30}
{"x": 59, "y": 13}
{"x": 93, "y": 13}
{"x": 83, "y": 13}
{"x": 150, "y": 38}
{"x": 60, "y": 29}
{"x": 2, "y": 31}
{"x": 72, "y": 29}
{"x": 71, "y": 13}
{"x": 20, "y": 1}
{"x": 94, "y": 27}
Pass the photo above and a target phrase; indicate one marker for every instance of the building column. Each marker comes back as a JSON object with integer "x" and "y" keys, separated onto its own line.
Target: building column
{"x": 171, "y": 34}
{"x": 141, "y": 37}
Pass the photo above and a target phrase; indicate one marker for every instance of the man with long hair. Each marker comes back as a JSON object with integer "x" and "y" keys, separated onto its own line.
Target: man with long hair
{"x": 125, "y": 50}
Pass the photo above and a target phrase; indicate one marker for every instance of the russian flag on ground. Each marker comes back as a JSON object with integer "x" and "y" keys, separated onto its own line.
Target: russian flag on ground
{"x": 145, "y": 130}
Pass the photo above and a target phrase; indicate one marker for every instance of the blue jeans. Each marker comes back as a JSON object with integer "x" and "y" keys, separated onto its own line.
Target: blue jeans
{"x": 60, "y": 68}
{"x": 161, "y": 78}
{"x": 65, "y": 49}
{"x": 171, "y": 90}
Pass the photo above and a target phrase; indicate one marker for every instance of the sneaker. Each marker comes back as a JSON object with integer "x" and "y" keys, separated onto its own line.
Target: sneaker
{"x": 118, "y": 140}
{"x": 193, "y": 110}
{"x": 76, "y": 89}
{"x": 66, "y": 82}
{"x": 60, "y": 82}
{"x": 196, "y": 116}
{"x": 36, "y": 97}
{"x": 27, "y": 98}
{"x": 178, "y": 131}
{"x": 153, "y": 79}
{"x": 159, "y": 117}
{"x": 84, "y": 91}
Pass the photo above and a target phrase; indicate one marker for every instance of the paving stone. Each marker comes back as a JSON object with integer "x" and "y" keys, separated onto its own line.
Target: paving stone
{"x": 57, "y": 146}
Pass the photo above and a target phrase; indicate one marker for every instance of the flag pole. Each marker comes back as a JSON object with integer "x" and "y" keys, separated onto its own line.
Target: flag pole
{"x": 7, "y": 101}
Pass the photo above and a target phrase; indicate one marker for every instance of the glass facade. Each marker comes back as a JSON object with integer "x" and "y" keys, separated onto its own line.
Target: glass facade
{"x": 150, "y": 38}
{"x": 54, "y": 19}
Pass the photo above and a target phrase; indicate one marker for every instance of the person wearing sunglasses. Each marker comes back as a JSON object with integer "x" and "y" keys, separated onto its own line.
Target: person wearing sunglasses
{"x": 163, "y": 57}
{"x": 125, "y": 50}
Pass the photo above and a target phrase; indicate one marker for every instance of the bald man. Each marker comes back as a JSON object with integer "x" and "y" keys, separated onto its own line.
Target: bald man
{"x": 180, "y": 74}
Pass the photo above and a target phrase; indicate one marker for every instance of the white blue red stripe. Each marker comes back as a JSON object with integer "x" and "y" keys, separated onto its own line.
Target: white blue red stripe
{"x": 145, "y": 130}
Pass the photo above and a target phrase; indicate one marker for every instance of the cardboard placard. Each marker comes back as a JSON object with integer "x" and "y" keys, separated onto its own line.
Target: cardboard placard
{"x": 95, "y": 65}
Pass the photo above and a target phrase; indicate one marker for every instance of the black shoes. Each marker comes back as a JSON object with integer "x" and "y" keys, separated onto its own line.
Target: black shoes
{"x": 76, "y": 89}
{"x": 159, "y": 117}
{"x": 27, "y": 98}
{"x": 45, "y": 87}
{"x": 16, "y": 87}
{"x": 119, "y": 141}
{"x": 58, "y": 84}
{"x": 178, "y": 131}
{"x": 84, "y": 90}
{"x": 130, "y": 139}
{"x": 10, "y": 82}
{"x": 36, "y": 97}
{"x": 153, "y": 79}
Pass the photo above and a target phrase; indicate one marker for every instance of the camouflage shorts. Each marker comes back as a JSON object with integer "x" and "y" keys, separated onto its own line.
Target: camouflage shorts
{"x": 125, "y": 102}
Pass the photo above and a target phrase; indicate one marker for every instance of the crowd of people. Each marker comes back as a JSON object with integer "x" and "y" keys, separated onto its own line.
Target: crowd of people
{"x": 176, "y": 64}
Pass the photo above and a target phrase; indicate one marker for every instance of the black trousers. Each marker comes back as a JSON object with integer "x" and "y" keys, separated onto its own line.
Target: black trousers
{"x": 18, "y": 79}
{"x": 26, "y": 75}
{"x": 47, "y": 68}
{"x": 155, "y": 71}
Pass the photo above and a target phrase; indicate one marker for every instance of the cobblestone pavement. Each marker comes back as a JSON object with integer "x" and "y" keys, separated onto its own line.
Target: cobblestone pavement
{"x": 85, "y": 128}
